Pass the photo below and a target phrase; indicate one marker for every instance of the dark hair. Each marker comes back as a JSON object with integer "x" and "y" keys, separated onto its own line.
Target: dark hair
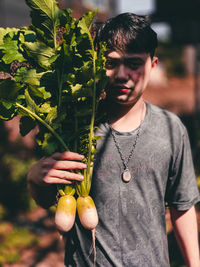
{"x": 129, "y": 33}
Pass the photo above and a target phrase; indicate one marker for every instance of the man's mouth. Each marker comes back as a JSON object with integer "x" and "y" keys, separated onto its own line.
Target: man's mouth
{"x": 121, "y": 89}
{"x": 124, "y": 90}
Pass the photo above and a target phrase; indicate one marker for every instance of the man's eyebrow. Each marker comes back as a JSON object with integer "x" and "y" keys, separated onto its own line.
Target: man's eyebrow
{"x": 113, "y": 58}
{"x": 135, "y": 59}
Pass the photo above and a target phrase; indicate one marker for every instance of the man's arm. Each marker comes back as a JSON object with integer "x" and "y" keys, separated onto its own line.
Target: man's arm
{"x": 44, "y": 196}
{"x": 47, "y": 172}
{"x": 186, "y": 232}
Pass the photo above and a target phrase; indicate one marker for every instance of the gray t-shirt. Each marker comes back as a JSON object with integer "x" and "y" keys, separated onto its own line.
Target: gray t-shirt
{"x": 131, "y": 229}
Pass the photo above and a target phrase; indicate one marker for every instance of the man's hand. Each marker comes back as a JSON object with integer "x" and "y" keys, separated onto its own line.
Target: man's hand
{"x": 60, "y": 168}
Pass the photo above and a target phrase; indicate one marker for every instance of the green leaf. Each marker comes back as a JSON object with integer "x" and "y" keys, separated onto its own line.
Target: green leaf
{"x": 33, "y": 79}
{"x": 45, "y": 16}
{"x": 51, "y": 112}
{"x": 76, "y": 88}
{"x": 39, "y": 92}
{"x": 40, "y": 110}
{"x": 48, "y": 145}
{"x": 45, "y": 108}
{"x": 30, "y": 102}
{"x": 30, "y": 77}
{"x": 3, "y": 33}
{"x": 7, "y": 111}
{"x": 10, "y": 49}
{"x": 85, "y": 22}
{"x": 40, "y": 53}
{"x": 79, "y": 91}
{"x": 9, "y": 90}
{"x": 52, "y": 115}
{"x": 83, "y": 74}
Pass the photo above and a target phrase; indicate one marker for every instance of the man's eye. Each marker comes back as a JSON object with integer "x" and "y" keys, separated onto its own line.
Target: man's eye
{"x": 111, "y": 64}
{"x": 133, "y": 66}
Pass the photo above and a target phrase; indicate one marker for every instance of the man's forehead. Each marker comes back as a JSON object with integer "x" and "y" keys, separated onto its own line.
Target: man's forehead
{"x": 134, "y": 56}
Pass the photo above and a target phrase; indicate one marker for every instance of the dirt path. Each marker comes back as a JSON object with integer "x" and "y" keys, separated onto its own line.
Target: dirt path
{"x": 49, "y": 251}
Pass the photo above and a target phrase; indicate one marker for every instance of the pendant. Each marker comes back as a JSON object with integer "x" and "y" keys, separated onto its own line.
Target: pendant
{"x": 126, "y": 175}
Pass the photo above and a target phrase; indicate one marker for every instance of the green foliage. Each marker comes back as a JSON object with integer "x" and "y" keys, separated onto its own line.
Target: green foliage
{"x": 10, "y": 47}
{"x": 13, "y": 240}
{"x": 13, "y": 187}
{"x": 3, "y": 32}
{"x": 55, "y": 78}
{"x": 45, "y": 17}
{"x": 16, "y": 160}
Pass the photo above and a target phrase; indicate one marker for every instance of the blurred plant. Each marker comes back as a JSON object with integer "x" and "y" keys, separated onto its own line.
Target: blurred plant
{"x": 14, "y": 165}
{"x": 13, "y": 190}
{"x": 12, "y": 241}
{"x": 198, "y": 181}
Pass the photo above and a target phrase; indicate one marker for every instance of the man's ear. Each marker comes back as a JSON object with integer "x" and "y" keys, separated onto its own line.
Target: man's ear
{"x": 154, "y": 62}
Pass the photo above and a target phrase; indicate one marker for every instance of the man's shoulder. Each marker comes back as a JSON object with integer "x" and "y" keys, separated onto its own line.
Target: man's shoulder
{"x": 163, "y": 117}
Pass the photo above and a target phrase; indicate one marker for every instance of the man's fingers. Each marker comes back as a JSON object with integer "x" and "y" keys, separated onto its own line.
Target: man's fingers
{"x": 55, "y": 180}
{"x": 62, "y": 175}
{"x": 67, "y": 155}
{"x": 68, "y": 165}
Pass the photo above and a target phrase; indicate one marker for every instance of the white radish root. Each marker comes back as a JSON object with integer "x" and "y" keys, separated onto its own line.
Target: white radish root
{"x": 88, "y": 217}
{"x": 87, "y": 212}
{"x": 65, "y": 213}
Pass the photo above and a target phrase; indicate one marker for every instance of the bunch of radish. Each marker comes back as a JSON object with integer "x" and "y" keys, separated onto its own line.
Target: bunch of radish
{"x": 52, "y": 75}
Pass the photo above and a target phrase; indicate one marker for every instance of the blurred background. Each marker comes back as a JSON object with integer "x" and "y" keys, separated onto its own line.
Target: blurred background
{"x": 27, "y": 233}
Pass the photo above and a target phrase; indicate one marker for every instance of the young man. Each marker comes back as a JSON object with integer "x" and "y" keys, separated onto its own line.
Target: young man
{"x": 143, "y": 162}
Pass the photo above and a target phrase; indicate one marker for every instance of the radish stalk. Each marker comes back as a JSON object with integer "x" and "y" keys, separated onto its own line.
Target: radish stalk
{"x": 85, "y": 205}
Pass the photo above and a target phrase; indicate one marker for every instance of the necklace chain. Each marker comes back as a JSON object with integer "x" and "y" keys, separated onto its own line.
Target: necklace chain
{"x": 125, "y": 162}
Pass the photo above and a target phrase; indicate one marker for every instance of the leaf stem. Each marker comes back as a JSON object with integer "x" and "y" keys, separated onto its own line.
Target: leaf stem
{"x": 57, "y": 136}
{"x": 59, "y": 75}
{"x": 76, "y": 130}
{"x": 83, "y": 188}
{"x": 91, "y": 134}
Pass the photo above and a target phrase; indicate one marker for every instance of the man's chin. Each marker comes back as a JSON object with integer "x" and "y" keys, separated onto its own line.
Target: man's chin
{"x": 121, "y": 100}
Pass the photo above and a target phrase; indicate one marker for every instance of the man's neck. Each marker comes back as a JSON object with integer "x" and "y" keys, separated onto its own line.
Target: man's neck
{"x": 126, "y": 118}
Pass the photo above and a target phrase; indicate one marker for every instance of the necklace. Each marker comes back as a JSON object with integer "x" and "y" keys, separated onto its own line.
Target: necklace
{"x": 126, "y": 175}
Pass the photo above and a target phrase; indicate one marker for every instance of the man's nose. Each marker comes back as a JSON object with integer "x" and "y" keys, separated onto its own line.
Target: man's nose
{"x": 122, "y": 72}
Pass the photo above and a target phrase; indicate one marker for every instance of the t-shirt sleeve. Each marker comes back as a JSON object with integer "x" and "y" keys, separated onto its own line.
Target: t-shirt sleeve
{"x": 182, "y": 191}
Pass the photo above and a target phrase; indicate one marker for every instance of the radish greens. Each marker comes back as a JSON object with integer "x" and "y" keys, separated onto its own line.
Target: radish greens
{"x": 52, "y": 76}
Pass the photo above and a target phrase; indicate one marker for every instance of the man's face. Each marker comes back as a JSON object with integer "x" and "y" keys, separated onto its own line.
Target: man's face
{"x": 128, "y": 75}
